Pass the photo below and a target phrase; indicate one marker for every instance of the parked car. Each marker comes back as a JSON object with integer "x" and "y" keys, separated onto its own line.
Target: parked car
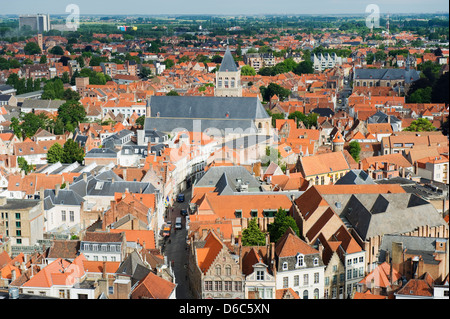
{"x": 178, "y": 223}
{"x": 166, "y": 230}
{"x": 184, "y": 212}
{"x": 180, "y": 198}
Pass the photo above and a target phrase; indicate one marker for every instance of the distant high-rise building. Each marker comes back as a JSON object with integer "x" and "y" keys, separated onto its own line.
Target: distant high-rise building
{"x": 37, "y": 22}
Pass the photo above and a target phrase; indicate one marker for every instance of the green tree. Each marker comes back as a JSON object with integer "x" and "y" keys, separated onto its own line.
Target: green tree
{"x": 304, "y": 67}
{"x": 140, "y": 120}
{"x": 65, "y": 77}
{"x": 172, "y": 93}
{"x": 420, "y": 125}
{"x": 440, "y": 92}
{"x": 53, "y": 90}
{"x": 32, "y": 48}
{"x": 169, "y": 63}
{"x": 71, "y": 113}
{"x": 280, "y": 224}
{"x": 55, "y": 153}
{"x": 247, "y": 70}
{"x": 275, "y": 117}
{"x": 72, "y": 152}
{"x": 252, "y": 235}
{"x": 70, "y": 94}
{"x": 274, "y": 89}
{"x": 29, "y": 124}
{"x": 24, "y": 166}
{"x": 421, "y": 95}
{"x": 298, "y": 117}
{"x": 145, "y": 72}
{"x": 57, "y": 50}
{"x": 354, "y": 150}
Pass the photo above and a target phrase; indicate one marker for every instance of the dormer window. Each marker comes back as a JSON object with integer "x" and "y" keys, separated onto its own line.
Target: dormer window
{"x": 300, "y": 260}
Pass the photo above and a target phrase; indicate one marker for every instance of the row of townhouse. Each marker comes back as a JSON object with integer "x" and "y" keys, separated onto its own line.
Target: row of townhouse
{"x": 288, "y": 269}
{"x": 343, "y": 224}
{"x": 98, "y": 266}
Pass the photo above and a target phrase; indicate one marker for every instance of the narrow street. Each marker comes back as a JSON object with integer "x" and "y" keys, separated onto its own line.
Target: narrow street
{"x": 175, "y": 248}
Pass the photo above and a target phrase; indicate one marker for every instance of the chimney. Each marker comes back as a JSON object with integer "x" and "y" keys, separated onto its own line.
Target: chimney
{"x": 57, "y": 188}
{"x": 104, "y": 270}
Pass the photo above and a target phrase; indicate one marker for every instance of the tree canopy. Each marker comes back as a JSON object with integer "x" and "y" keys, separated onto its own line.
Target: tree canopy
{"x": 32, "y": 48}
{"x": 420, "y": 125}
{"x": 354, "y": 150}
{"x": 252, "y": 235}
{"x": 281, "y": 223}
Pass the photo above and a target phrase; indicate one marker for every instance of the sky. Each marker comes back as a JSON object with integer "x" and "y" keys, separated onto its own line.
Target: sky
{"x": 222, "y": 7}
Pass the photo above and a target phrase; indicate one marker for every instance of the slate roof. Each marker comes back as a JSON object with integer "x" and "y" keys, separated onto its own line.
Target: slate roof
{"x": 64, "y": 197}
{"x": 424, "y": 246}
{"x": 207, "y": 107}
{"x": 108, "y": 183}
{"x": 228, "y": 64}
{"x": 381, "y": 117}
{"x": 388, "y": 74}
{"x": 133, "y": 266}
{"x": 379, "y": 214}
{"x": 43, "y": 104}
{"x": 224, "y": 178}
{"x": 101, "y": 153}
{"x": 172, "y": 112}
{"x": 355, "y": 177}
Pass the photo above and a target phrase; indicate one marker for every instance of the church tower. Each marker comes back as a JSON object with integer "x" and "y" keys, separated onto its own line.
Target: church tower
{"x": 338, "y": 142}
{"x": 228, "y": 78}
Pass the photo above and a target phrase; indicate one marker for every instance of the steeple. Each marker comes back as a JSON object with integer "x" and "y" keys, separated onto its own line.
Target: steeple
{"x": 228, "y": 64}
{"x": 228, "y": 78}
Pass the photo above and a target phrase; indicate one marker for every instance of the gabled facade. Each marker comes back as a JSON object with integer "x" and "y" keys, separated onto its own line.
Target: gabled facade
{"x": 214, "y": 271}
{"x": 299, "y": 266}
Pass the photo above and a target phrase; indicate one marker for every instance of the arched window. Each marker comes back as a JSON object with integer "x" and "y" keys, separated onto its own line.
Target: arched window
{"x": 316, "y": 293}
{"x": 285, "y": 266}
{"x": 364, "y": 84}
{"x": 228, "y": 270}
{"x": 305, "y": 294}
{"x": 218, "y": 270}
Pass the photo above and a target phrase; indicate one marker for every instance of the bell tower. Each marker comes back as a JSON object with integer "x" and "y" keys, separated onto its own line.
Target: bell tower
{"x": 228, "y": 78}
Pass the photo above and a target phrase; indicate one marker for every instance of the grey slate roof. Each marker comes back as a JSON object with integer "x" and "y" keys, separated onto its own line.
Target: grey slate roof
{"x": 207, "y": 107}
{"x": 409, "y": 75}
{"x": 134, "y": 267}
{"x": 355, "y": 177}
{"x": 197, "y": 113}
{"x": 381, "y": 117}
{"x": 43, "y": 104}
{"x": 380, "y": 214}
{"x": 173, "y": 125}
{"x": 64, "y": 197}
{"x": 101, "y": 153}
{"x": 424, "y": 246}
{"x": 225, "y": 179}
{"x": 105, "y": 184}
{"x": 228, "y": 64}
{"x": 12, "y": 204}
